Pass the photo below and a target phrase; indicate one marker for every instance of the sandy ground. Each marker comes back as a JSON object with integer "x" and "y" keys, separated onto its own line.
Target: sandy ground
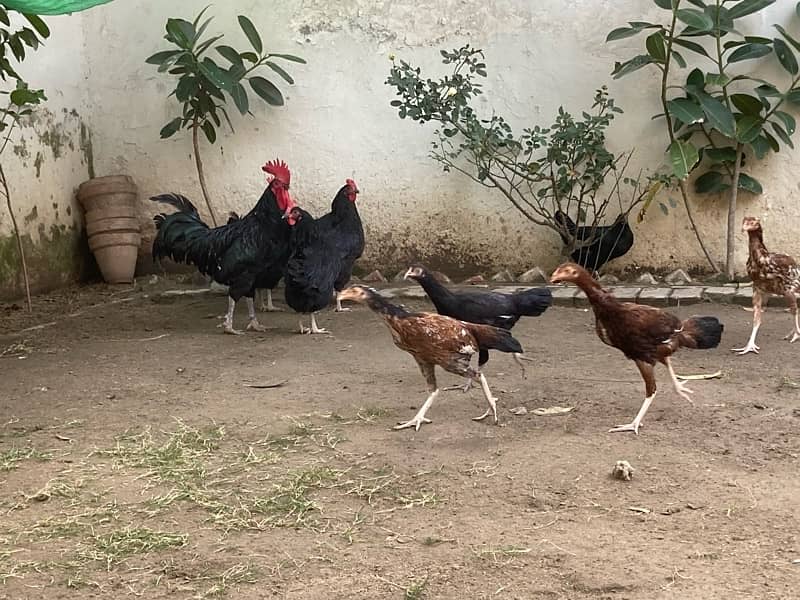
{"x": 136, "y": 461}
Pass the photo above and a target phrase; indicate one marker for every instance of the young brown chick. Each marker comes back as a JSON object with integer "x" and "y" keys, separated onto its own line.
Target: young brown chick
{"x": 772, "y": 273}
{"x": 436, "y": 340}
{"x": 644, "y": 334}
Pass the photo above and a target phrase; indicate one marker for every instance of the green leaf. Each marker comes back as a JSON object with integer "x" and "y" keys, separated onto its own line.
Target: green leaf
{"x": 629, "y": 66}
{"x": 252, "y": 33}
{"x": 773, "y": 143}
{"x": 620, "y": 33}
{"x": 678, "y": 58}
{"x": 695, "y": 19}
{"x": 656, "y": 47}
{"x": 200, "y": 16}
{"x": 181, "y": 33}
{"x": 166, "y": 56}
{"x": 267, "y": 90}
{"x": 206, "y": 45}
{"x": 171, "y": 128}
{"x": 793, "y": 96}
{"x": 760, "y": 147}
{"x": 230, "y": 54}
{"x": 721, "y": 155}
{"x": 749, "y": 51}
{"x": 685, "y": 110}
{"x": 211, "y": 133}
{"x": 251, "y": 56}
{"x": 665, "y": 4}
{"x": 749, "y": 184}
{"x": 23, "y": 96}
{"x": 693, "y": 46}
{"x": 683, "y": 157}
{"x": 695, "y": 81}
{"x": 214, "y": 74}
{"x": 767, "y": 90}
{"x": 748, "y": 127}
{"x": 789, "y": 121}
{"x": 279, "y": 70}
{"x": 240, "y": 98}
{"x": 749, "y": 105}
{"x": 719, "y": 117}
{"x": 710, "y": 183}
{"x": 290, "y": 58}
{"x": 719, "y": 79}
{"x": 748, "y": 7}
{"x": 782, "y": 134}
{"x": 40, "y": 26}
{"x": 788, "y": 37}
{"x": 785, "y": 55}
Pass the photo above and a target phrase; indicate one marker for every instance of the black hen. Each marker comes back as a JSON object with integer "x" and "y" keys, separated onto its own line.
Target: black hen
{"x": 342, "y": 226}
{"x": 602, "y": 243}
{"x": 236, "y": 254}
{"x": 483, "y": 307}
{"x": 311, "y": 270}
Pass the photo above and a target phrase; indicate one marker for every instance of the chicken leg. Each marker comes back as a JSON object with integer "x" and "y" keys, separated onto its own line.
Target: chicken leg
{"x": 489, "y": 398}
{"x": 313, "y": 329}
{"x": 794, "y": 334}
{"x": 648, "y": 374}
{"x": 680, "y": 386}
{"x": 268, "y": 306}
{"x": 227, "y": 323}
{"x": 518, "y": 358}
{"x": 419, "y": 419}
{"x": 253, "y": 324}
{"x": 757, "y": 312}
{"x": 339, "y": 307}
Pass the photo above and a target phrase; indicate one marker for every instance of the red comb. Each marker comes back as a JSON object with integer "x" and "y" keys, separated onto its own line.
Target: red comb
{"x": 351, "y": 183}
{"x": 279, "y": 169}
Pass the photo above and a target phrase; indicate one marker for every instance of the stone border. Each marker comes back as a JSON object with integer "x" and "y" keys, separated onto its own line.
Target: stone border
{"x": 661, "y": 296}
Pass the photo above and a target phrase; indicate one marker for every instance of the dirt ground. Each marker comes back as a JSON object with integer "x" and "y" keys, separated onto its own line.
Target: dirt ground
{"x": 135, "y": 461}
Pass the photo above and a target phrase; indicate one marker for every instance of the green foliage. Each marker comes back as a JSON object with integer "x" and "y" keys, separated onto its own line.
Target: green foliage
{"x": 716, "y": 116}
{"x": 204, "y": 86}
{"x": 542, "y": 170}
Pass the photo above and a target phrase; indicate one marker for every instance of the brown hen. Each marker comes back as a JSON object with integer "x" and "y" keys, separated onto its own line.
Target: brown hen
{"x": 436, "y": 340}
{"x": 772, "y": 273}
{"x": 644, "y": 334}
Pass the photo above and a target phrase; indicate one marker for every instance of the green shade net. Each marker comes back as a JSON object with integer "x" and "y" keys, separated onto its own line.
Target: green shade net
{"x": 51, "y": 7}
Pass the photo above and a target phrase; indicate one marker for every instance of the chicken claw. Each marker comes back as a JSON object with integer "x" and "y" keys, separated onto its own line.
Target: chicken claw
{"x": 792, "y": 336}
{"x": 634, "y": 427}
{"x": 416, "y": 423}
{"x": 464, "y": 388}
{"x": 228, "y": 328}
{"x": 750, "y": 347}
{"x": 254, "y": 325}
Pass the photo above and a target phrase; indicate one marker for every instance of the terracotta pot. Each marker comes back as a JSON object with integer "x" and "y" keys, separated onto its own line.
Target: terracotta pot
{"x": 112, "y": 225}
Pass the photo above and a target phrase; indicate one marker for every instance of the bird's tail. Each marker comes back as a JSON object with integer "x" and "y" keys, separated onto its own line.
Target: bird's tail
{"x": 182, "y": 235}
{"x": 533, "y": 302}
{"x": 494, "y": 338}
{"x": 701, "y": 333}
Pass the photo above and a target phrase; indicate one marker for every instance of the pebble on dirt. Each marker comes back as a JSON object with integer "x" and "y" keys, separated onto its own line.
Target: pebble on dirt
{"x": 678, "y": 277}
{"x": 622, "y": 471}
{"x": 502, "y": 276}
{"x": 475, "y": 280}
{"x": 646, "y": 279}
{"x": 534, "y": 275}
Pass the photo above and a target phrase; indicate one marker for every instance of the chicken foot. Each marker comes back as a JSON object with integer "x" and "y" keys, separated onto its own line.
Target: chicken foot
{"x": 518, "y": 358}
{"x": 419, "y": 419}
{"x": 794, "y": 334}
{"x": 465, "y": 387}
{"x": 227, "y": 323}
{"x": 757, "y": 312}
{"x": 637, "y": 422}
{"x": 680, "y": 386}
{"x": 492, "y": 401}
{"x": 268, "y": 306}
{"x": 253, "y": 324}
{"x": 313, "y": 329}
{"x": 339, "y": 307}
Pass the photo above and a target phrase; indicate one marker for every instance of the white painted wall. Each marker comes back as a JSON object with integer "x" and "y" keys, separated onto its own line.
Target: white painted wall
{"x": 44, "y": 163}
{"x": 337, "y": 122}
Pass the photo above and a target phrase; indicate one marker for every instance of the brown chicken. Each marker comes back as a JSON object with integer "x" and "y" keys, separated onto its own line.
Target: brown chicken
{"x": 644, "y": 334}
{"x": 772, "y": 273}
{"x": 436, "y": 340}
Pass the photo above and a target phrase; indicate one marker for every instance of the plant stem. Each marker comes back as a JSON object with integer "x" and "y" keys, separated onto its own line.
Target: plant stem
{"x": 729, "y": 245}
{"x": 668, "y": 117}
{"x": 4, "y": 183}
{"x": 200, "y": 173}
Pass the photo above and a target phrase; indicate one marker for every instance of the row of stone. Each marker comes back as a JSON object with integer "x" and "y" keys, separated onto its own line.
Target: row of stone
{"x": 656, "y": 296}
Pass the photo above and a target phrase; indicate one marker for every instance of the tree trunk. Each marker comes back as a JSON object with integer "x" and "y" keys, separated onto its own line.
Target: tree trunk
{"x": 19, "y": 239}
{"x": 199, "y": 164}
{"x": 730, "y": 246}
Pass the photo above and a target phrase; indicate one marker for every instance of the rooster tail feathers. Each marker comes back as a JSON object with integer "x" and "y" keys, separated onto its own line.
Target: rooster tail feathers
{"x": 533, "y": 302}
{"x": 182, "y": 203}
{"x": 701, "y": 333}
{"x": 493, "y": 338}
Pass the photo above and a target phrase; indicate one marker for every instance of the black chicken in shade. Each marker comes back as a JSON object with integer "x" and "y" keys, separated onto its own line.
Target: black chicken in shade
{"x": 596, "y": 245}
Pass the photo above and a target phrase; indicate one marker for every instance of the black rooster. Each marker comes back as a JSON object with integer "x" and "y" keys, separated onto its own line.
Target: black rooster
{"x": 482, "y": 307}
{"x": 237, "y": 254}
{"x": 602, "y": 242}
{"x": 343, "y": 226}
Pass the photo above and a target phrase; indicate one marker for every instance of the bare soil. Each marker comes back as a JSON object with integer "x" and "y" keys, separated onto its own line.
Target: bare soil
{"x": 135, "y": 461}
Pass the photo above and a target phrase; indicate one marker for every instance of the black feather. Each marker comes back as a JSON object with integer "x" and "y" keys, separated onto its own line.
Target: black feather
{"x": 597, "y": 245}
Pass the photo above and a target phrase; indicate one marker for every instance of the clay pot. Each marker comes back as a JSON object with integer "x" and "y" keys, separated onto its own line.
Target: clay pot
{"x": 111, "y": 225}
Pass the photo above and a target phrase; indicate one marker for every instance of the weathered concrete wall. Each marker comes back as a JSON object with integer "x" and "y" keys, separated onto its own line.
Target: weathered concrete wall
{"x": 47, "y": 158}
{"x": 337, "y": 121}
